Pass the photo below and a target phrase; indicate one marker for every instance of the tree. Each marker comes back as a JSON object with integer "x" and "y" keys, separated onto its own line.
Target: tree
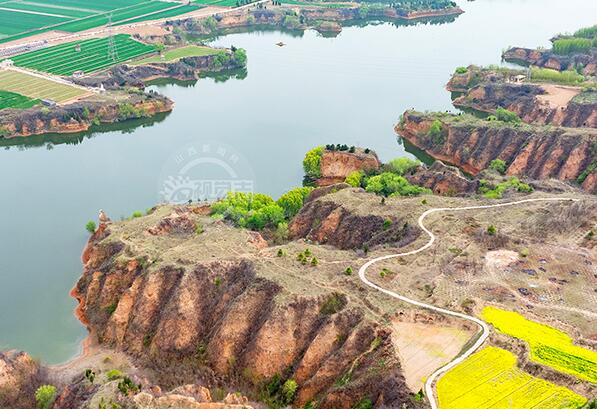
{"x": 293, "y": 200}
{"x": 289, "y": 391}
{"x": 436, "y": 132}
{"x": 312, "y": 162}
{"x": 44, "y": 396}
{"x": 90, "y": 226}
{"x": 354, "y": 178}
{"x": 506, "y": 116}
{"x": 314, "y": 261}
{"x": 498, "y": 165}
{"x": 388, "y": 184}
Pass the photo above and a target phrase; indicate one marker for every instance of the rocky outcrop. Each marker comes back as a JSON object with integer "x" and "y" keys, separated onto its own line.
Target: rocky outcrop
{"x": 80, "y": 116}
{"x": 337, "y": 165}
{"x": 535, "y": 152}
{"x": 186, "y": 315}
{"x": 443, "y": 180}
{"x": 186, "y": 69}
{"x": 20, "y": 376}
{"x": 485, "y": 90}
{"x": 548, "y": 59}
{"x": 327, "y": 220}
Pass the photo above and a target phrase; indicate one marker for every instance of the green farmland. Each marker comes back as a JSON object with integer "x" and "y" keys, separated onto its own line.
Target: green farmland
{"x": 65, "y": 59}
{"x": 38, "y": 88}
{"x": 23, "y": 18}
{"x": 178, "y": 53}
{"x": 18, "y": 101}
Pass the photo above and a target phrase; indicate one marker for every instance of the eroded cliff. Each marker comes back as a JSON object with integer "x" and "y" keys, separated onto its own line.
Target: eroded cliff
{"x": 536, "y": 152}
{"x": 214, "y": 304}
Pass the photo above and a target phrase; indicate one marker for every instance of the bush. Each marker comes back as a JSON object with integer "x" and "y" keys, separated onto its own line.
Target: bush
{"x": 348, "y": 271}
{"x": 289, "y": 390}
{"x": 390, "y": 184}
{"x": 251, "y": 210}
{"x": 90, "y": 226}
{"x": 498, "y": 165}
{"x": 137, "y": 214}
{"x": 402, "y": 166}
{"x": 504, "y": 115}
{"x": 282, "y": 232}
{"x": 436, "y": 132}
{"x": 312, "y": 162}
{"x": 491, "y": 230}
{"x": 587, "y": 32}
{"x": 355, "y": 178}
{"x": 44, "y": 396}
{"x": 564, "y": 46}
{"x": 333, "y": 304}
{"x": 240, "y": 55}
{"x": 461, "y": 70}
{"x": 498, "y": 191}
{"x": 314, "y": 262}
{"x": 293, "y": 200}
{"x": 114, "y": 374}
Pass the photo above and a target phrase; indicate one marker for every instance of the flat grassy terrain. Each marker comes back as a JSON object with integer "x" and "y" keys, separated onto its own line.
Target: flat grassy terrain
{"x": 178, "y": 53}
{"x": 219, "y": 3}
{"x": 18, "y": 101}
{"x": 21, "y": 18}
{"x": 549, "y": 346}
{"x": 491, "y": 379}
{"x": 38, "y": 88}
{"x": 65, "y": 59}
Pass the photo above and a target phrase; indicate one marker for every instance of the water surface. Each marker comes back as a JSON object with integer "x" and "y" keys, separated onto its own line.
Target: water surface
{"x": 315, "y": 90}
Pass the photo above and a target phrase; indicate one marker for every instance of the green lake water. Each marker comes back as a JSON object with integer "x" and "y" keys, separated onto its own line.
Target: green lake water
{"x": 315, "y": 90}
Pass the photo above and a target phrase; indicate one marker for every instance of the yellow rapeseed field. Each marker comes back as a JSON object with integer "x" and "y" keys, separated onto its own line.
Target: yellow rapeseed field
{"x": 549, "y": 346}
{"x": 491, "y": 379}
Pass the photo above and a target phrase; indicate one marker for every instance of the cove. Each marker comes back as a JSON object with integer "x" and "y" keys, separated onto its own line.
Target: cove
{"x": 315, "y": 90}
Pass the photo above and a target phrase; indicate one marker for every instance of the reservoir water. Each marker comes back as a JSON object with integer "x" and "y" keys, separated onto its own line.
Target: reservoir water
{"x": 315, "y": 90}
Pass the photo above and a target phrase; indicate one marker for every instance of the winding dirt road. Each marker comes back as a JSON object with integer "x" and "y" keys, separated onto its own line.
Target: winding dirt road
{"x": 483, "y": 325}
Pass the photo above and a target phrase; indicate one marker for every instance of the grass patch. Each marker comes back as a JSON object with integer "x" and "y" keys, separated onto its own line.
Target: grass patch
{"x": 549, "y": 346}
{"x": 490, "y": 378}
{"x": 38, "y": 88}
{"x": 17, "y": 101}
{"x": 563, "y": 77}
{"x": 176, "y": 54}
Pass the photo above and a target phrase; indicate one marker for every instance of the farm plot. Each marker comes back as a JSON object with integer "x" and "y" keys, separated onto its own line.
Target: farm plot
{"x": 87, "y": 56}
{"x": 18, "y": 101}
{"x": 491, "y": 379}
{"x": 549, "y": 346}
{"x": 38, "y": 88}
{"x": 23, "y": 18}
{"x": 178, "y": 53}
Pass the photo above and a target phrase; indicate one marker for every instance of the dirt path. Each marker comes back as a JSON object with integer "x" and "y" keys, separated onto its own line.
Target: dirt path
{"x": 482, "y": 324}
{"x": 558, "y": 95}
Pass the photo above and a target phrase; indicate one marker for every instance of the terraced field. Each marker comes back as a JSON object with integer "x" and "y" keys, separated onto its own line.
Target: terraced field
{"x": 38, "y": 88}
{"x": 549, "y": 346}
{"x": 93, "y": 55}
{"x": 491, "y": 379}
{"x": 22, "y": 18}
{"x": 18, "y": 101}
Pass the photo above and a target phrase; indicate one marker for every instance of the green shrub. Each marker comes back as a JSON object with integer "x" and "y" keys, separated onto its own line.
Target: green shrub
{"x": 436, "y": 132}
{"x": 44, "y": 396}
{"x": 355, "y": 178}
{"x": 504, "y": 115}
{"x": 402, "y": 166}
{"x": 251, "y": 210}
{"x": 240, "y": 55}
{"x": 498, "y": 165}
{"x": 114, "y": 374}
{"x": 289, "y": 390}
{"x": 293, "y": 200}
{"x": 314, "y": 261}
{"x": 491, "y": 230}
{"x": 586, "y": 32}
{"x": 387, "y": 223}
{"x": 348, "y": 271}
{"x": 126, "y": 386}
{"x": 90, "y": 226}
{"x": 390, "y": 184}
{"x": 461, "y": 70}
{"x": 280, "y": 253}
{"x": 498, "y": 191}
{"x": 137, "y": 214}
{"x": 312, "y": 162}
{"x": 564, "y": 46}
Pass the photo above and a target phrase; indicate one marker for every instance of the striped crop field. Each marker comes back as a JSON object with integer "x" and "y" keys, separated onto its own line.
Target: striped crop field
{"x": 38, "y": 88}
{"x": 549, "y": 346}
{"x": 18, "y": 101}
{"x": 87, "y": 56}
{"x": 491, "y": 379}
{"x": 23, "y": 18}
